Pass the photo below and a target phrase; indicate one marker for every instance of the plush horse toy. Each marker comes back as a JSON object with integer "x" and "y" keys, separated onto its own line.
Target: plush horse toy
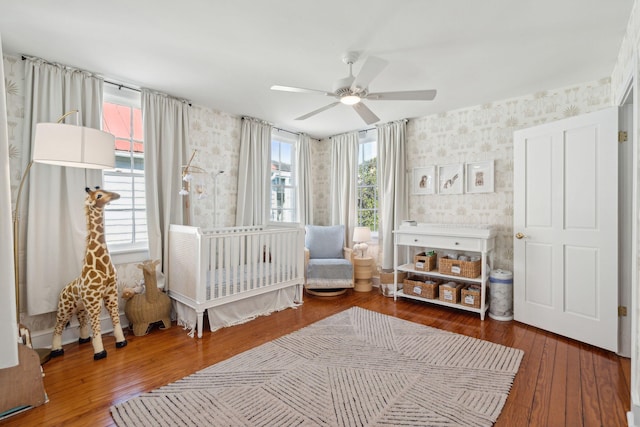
{"x": 97, "y": 282}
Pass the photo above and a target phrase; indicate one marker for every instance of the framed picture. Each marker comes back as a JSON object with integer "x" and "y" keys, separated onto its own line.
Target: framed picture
{"x": 424, "y": 180}
{"x": 480, "y": 177}
{"x": 450, "y": 178}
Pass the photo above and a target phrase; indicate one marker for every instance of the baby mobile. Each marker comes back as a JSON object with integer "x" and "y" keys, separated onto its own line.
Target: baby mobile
{"x": 193, "y": 177}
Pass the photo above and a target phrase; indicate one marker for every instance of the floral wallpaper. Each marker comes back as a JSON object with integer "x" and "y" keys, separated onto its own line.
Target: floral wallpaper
{"x": 485, "y": 132}
{"x": 216, "y": 137}
{"x": 14, "y": 81}
{"x": 321, "y": 178}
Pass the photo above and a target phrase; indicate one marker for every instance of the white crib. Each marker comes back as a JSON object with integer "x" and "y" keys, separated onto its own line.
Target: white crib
{"x": 235, "y": 265}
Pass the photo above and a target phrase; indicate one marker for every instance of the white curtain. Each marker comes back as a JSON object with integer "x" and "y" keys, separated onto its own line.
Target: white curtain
{"x": 165, "y": 121}
{"x": 392, "y": 184}
{"x": 55, "y": 219}
{"x": 8, "y": 321}
{"x": 344, "y": 173}
{"x": 303, "y": 179}
{"x": 253, "y": 173}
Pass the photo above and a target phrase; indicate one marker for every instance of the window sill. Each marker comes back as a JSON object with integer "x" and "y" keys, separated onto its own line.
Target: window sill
{"x": 129, "y": 256}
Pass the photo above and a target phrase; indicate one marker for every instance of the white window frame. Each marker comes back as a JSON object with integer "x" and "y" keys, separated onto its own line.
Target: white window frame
{"x": 365, "y": 138}
{"x": 136, "y": 252}
{"x": 283, "y": 138}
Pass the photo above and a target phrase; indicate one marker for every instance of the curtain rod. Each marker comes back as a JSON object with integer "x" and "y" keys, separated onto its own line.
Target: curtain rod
{"x": 370, "y": 129}
{"x": 120, "y": 86}
{"x": 356, "y": 131}
{"x": 366, "y": 130}
{"x": 287, "y": 131}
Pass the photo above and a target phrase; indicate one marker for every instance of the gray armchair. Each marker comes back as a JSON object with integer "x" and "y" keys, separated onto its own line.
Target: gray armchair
{"x": 328, "y": 266}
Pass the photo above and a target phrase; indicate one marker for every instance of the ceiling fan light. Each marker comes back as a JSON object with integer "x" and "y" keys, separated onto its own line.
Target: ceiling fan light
{"x": 350, "y": 99}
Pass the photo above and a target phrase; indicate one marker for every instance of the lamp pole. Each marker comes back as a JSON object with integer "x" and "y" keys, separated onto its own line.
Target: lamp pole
{"x": 16, "y": 246}
{"x": 215, "y": 197}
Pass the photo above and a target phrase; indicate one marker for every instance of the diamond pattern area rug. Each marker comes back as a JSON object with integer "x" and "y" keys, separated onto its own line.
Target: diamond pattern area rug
{"x": 355, "y": 368}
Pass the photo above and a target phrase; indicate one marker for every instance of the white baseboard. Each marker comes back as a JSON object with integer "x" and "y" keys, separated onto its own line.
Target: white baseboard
{"x": 42, "y": 339}
{"x": 633, "y": 415}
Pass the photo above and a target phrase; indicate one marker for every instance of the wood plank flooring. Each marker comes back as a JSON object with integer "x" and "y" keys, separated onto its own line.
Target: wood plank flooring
{"x": 560, "y": 382}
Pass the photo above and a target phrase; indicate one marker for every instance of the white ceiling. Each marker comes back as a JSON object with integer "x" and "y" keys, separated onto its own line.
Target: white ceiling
{"x": 226, "y": 54}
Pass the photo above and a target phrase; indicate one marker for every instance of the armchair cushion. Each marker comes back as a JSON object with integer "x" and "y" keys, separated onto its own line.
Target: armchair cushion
{"x": 329, "y": 269}
{"x": 324, "y": 241}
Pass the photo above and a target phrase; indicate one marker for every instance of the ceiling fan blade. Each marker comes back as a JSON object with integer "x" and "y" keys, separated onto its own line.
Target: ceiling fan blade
{"x": 366, "y": 114}
{"x": 300, "y": 90}
{"x": 409, "y": 95}
{"x": 319, "y": 110}
{"x": 370, "y": 69}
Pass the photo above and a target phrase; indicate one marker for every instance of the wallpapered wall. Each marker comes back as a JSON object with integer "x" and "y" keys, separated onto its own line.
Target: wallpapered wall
{"x": 216, "y": 136}
{"x": 485, "y": 132}
{"x": 466, "y": 135}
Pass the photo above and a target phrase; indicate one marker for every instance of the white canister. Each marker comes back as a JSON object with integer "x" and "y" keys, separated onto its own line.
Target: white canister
{"x": 501, "y": 295}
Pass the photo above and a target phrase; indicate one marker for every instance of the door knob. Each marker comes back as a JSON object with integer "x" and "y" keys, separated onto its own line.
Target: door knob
{"x": 520, "y": 236}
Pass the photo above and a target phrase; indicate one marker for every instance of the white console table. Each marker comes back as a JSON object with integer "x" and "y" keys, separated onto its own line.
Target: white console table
{"x": 463, "y": 239}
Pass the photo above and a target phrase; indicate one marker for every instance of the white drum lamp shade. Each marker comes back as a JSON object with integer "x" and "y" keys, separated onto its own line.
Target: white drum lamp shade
{"x": 73, "y": 146}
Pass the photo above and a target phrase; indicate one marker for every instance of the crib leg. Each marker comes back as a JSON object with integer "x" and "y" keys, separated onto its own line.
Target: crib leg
{"x": 299, "y": 293}
{"x": 200, "y": 323}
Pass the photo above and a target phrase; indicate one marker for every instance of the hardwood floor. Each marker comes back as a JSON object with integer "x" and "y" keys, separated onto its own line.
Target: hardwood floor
{"x": 560, "y": 382}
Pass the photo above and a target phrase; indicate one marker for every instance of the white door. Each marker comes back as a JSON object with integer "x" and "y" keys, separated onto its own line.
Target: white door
{"x": 566, "y": 227}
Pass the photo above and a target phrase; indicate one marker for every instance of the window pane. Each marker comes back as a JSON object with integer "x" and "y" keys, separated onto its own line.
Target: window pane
{"x": 283, "y": 188}
{"x": 125, "y": 218}
{"x": 117, "y": 120}
{"x": 138, "y": 163}
{"x": 137, "y": 124}
{"x": 367, "y": 203}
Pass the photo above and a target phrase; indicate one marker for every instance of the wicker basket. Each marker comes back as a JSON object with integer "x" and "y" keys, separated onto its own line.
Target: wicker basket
{"x": 470, "y": 297}
{"x": 455, "y": 267}
{"x": 388, "y": 277}
{"x": 422, "y": 262}
{"x": 421, "y": 289}
{"x": 450, "y": 294}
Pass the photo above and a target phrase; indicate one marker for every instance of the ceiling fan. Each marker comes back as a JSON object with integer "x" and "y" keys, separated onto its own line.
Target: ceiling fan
{"x": 352, "y": 90}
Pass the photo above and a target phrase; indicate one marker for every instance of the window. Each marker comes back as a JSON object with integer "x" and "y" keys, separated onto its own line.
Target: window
{"x": 367, "y": 208}
{"x": 283, "y": 185}
{"x": 125, "y": 218}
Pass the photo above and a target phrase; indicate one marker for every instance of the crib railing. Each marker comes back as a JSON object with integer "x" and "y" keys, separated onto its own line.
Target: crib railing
{"x": 235, "y": 262}
{"x": 247, "y": 259}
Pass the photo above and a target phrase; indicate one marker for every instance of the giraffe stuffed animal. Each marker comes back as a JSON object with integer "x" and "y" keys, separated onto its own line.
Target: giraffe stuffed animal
{"x": 97, "y": 282}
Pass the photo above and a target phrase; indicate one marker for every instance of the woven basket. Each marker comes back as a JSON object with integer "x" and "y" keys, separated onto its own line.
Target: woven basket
{"x": 450, "y": 294}
{"x": 470, "y": 297}
{"x": 388, "y": 277}
{"x": 423, "y": 262}
{"x": 455, "y": 267}
{"x": 420, "y": 289}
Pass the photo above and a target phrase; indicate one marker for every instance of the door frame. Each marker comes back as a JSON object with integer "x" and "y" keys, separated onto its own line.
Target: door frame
{"x": 631, "y": 89}
{"x": 627, "y": 211}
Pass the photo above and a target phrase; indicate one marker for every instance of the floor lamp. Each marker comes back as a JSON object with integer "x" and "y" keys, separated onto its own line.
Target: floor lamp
{"x": 62, "y": 145}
